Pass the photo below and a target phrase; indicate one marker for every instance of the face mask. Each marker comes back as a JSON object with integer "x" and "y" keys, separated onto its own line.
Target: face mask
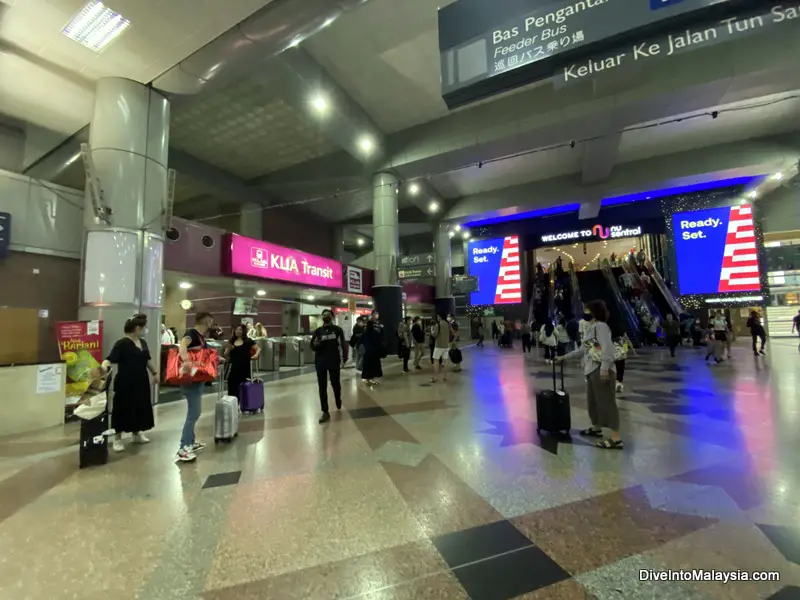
{"x": 587, "y": 317}
{"x": 143, "y": 333}
{"x": 449, "y": 319}
{"x": 326, "y": 319}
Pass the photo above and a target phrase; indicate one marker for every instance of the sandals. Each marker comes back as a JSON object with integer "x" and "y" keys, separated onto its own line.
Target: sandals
{"x": 592, "y": 432}
{"x": 608, "y": 444}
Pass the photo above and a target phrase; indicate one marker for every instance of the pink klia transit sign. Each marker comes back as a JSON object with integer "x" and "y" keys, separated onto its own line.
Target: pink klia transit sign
{"x": 262, "y": 260}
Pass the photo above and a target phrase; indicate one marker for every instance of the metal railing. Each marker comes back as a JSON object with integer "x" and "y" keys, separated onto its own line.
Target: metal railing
{"x": 625, "y": 307}
{"x": 577, "y": 303}
{"x": 629, "y": 266}
{"x": 676, "y": 308}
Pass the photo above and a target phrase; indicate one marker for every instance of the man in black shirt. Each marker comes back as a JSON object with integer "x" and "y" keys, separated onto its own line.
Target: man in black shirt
{"x": 331, "y": 353}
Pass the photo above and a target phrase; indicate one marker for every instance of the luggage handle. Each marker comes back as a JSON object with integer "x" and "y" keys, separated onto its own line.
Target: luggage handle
{"x": 555, "y": 389}
{"x": 252, "y": 378}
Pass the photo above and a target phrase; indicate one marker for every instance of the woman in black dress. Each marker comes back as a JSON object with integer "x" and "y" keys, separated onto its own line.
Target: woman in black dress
{"x": 132, "y": 407}
{"x": 239, "y": 353}
{"x": 372, "y": 342}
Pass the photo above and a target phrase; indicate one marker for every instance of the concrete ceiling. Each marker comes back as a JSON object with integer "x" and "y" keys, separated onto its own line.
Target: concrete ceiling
{"x": 259, "y": 140}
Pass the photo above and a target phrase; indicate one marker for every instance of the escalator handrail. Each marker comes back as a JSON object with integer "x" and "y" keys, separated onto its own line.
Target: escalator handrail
{"x": 676, "y": 308}
{"x": 577, "y": 303}
{"x": 628, "y": 265}
{"x": 630, "y": 316}
{"x": 550, "y": 294}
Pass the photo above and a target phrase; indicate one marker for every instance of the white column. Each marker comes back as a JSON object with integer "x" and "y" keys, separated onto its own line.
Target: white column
{"x": 384, "y": 221}
{"x": 123, "y": 260}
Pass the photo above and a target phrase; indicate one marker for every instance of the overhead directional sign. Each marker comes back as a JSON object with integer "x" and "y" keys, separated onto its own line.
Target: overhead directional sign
{"x": 463, "y": 285}
{"x": 5, "y": 234}
{"x": 416, "y": 272}
{"x": 488, "y": 47}
{"x": 417, "y": 260}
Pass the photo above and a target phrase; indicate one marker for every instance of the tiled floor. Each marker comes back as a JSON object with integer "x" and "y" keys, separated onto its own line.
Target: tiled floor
{"x": 416, "y": 491}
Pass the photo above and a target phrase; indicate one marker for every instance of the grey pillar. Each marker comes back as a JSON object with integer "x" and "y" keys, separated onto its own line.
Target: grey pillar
{"x": 123, "y": 261}
{"x": 338, "y": 244}
{"x": 387, "y": 294}
{"x": 444, "y": 301}
{"x": 252, "y": 221}
{"x": 384, "y": 222}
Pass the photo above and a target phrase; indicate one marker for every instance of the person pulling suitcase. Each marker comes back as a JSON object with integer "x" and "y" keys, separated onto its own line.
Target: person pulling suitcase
{"x": 331, "y": 353}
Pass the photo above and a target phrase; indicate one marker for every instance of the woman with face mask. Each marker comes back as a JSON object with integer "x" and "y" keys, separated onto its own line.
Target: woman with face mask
{"x": 132, "y": 407}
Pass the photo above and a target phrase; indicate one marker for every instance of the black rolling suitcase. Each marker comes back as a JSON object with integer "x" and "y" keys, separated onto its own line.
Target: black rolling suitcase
{"x": 552, "y": 408}
{"x": 93, "y": 449}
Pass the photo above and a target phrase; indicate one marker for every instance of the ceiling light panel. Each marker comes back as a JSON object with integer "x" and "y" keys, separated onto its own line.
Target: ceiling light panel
{"x": 96, "y": 26}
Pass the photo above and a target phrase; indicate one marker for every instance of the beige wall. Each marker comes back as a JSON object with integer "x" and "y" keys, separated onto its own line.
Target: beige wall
{"x": 22, "y": 408}
{"x": 174, "y": 315}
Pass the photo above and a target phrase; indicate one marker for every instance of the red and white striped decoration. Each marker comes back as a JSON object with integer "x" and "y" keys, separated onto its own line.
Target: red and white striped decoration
{"x": 509, "y": 282}
{"x": 740, "y": 261}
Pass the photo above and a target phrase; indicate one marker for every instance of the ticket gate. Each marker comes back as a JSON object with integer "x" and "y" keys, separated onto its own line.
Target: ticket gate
{"x": 269, "y": 358}
{"x": 291, "y": 352}
{"x": 308, "y": 350}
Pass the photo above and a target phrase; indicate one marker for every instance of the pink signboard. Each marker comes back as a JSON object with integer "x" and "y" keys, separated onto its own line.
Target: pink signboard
{"x": 254, "y": 258}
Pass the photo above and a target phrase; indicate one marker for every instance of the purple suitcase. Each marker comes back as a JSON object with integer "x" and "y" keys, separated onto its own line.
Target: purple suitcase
{"x": 251, "y": 396}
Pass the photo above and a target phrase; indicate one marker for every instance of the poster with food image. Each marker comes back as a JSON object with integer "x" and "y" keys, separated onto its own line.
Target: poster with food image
{"x": 80, "y": 344}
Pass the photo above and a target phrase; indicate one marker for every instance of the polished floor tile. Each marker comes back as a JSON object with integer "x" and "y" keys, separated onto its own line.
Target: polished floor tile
{"x": 222, "y": 479}
{"x": 440, "y": 491}
{"x": 510, "y": 575}
{"x": 479, "y": 543}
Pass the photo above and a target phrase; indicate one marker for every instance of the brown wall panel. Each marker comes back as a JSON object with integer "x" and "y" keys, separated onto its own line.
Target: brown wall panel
{"x": 298, "y": 229}
{"x": 42, "y": 282}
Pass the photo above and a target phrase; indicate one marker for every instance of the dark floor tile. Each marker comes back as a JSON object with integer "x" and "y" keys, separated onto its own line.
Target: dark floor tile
{"x": 675, "y": 409}
{"x": 790, "y": 592}
{"x": 222, "y": 479}
{"x": 369, "y": 412}
{"x": 510, "y": 575}
{"x": 479, "y": 543}
{"x": 785, "y": 539}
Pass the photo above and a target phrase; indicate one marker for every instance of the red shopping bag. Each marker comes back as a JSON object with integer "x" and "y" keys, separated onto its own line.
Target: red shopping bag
{"x": 204, "y": 366}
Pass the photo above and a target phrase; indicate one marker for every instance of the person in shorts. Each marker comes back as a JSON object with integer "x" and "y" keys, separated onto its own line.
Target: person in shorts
{"x": 440, "y": 333}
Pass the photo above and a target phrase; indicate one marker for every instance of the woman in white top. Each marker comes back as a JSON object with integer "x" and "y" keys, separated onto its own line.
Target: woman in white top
{"x": 719, "y": 327}
{"x": 597, "y": 352}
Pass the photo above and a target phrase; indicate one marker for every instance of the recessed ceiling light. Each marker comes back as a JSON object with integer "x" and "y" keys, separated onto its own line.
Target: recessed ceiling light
{"x": 366, "y": 144}
{"x": 96, "y": 26}
{"x": 261, "y": 293}
{"x": 329, "y": 21}
{"x": 413, "y": 189}
{"x": 433, "y": 206}
{"x": 319, "y": 103}
{"x": 777, "y": 176}
{"x": 344, "y": 301}
{"x": 451, "y": 233}
{"x": 361, "y": 241}
{"x": 311, "y": 297}
{"x": 465, "y": 235}
{"x": 185, "y": 285}
{"x": 753, "y": 194}
{"x": 458, "y": 227}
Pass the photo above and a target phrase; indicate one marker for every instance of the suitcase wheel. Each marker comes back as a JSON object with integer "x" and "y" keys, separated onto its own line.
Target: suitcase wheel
{"x": 216, "y": 440}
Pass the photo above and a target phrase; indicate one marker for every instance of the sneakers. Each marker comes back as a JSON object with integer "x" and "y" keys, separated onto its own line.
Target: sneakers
{"x": 197, "y": 447}
{"x": 620, "y": 388}
{"x": 762, "y": 353}
{"x": 118, "y": 446}
{"x": 185, "y": 454}
{"x": 140, "y": 438}
{"x": 418, "y": 368}
{"x": 325, "y": 417}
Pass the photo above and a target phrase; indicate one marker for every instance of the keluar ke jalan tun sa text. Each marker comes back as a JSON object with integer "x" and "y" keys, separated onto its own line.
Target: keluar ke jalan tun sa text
{"x": 677, "y": 42}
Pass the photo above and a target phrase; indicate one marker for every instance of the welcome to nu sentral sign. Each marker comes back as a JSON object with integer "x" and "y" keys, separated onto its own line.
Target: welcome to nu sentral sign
{"x": 598, "y": 232}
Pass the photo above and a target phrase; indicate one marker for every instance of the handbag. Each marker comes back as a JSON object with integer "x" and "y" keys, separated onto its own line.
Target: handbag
{"x": 204, "y": 362}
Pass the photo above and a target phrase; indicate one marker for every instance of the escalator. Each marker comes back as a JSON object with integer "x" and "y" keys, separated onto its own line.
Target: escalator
{"x": 594, "y": 285}
{"x": 575, "y": 293}
{"x": 654, "y": 308}
{"x": 629, "y": 316}
{"x": 661, "y": 294}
